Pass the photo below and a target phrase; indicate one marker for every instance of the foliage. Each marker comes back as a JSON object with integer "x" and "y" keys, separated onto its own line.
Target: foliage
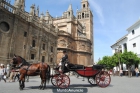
{"x": 127, "y": 58}
{"x": 130, "y": 58}
{"x": 108, "y": 61}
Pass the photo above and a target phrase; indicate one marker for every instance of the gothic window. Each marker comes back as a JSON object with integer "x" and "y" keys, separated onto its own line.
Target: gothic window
{"x": 25, "y": 34}
{"x": 83, "y": 15}
{"x": 84, "y": 5}
{"x": 43, "y": 46}
{"x": 78, "y": 16}
{"x": 33, "y": 43}
{"x": 51, "y": 48}
{"x": 32, "y": 56}
{"x": 43, "y": 58}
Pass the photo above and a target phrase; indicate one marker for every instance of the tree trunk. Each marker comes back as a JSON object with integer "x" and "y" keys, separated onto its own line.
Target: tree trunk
{"x": 129, "y": 71}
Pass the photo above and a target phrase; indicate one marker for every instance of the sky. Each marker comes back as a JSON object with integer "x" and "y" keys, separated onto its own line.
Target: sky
{"x": 111, "y": 18}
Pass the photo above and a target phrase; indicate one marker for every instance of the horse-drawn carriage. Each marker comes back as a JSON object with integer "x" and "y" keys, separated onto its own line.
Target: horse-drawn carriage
{"x": 95, "y": 75}
{"x": 60, "y": 79}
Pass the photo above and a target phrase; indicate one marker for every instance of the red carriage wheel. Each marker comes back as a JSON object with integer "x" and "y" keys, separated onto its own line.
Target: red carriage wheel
{"x": 91, "y": 80}
{"x": 54, "y": 79}
{"x": 103, "y": 79}
{"x": 63, "y": 81}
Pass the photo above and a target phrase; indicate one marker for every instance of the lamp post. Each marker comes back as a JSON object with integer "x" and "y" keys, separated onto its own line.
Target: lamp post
{"x": 119, "y": 48}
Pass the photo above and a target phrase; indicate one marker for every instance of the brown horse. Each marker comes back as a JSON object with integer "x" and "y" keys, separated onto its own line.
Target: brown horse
{"x": 26, "y": 69}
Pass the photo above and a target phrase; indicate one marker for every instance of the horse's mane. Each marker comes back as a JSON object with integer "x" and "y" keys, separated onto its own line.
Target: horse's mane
{"x": 24, "y": 62}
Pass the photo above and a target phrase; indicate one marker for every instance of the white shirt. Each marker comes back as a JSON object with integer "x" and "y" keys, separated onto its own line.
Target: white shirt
{"x": 1, "y": 71}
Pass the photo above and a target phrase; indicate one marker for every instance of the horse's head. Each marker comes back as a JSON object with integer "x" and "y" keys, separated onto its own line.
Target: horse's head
{"x": 16, "y": 61}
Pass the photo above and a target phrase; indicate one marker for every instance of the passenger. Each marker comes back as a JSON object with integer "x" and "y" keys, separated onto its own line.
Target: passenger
{"x": 121, "y": 72}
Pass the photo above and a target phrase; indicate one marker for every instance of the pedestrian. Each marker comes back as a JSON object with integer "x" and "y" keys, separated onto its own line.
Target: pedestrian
{"x": 137, "y": 72}
{"x": 12, "y": 74}
{"x": 121, "y": 72}
{"x": 2, "y": 72}
{"x": 16, "y": 75}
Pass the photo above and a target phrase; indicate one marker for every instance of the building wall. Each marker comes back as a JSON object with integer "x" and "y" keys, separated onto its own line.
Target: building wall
{"x": 134, "y": 38}
{"x": 18, "y": 29}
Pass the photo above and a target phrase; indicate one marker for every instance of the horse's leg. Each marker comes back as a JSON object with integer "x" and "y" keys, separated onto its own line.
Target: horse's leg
{"x": 44, "y": 83}
{"x": 21, "y": 82}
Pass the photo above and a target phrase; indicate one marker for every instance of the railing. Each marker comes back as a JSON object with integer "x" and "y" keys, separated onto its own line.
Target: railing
{"x": 7, "y": 6}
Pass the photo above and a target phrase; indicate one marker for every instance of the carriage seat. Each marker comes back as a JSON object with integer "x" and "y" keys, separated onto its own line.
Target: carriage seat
{"x": 98, "y": 67}
{"x": 76, "y": 66}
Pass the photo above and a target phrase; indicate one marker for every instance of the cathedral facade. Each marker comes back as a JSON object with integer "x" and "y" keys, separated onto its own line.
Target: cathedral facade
{"x": 42, "y": 37}
{"x": 26, "y": 34}
{"x": 75, "y": 34}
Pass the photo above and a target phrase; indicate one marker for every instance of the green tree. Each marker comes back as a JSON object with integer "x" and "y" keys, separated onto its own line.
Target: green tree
{"x": 129, "y": 58}
{"x": 108, "y": 61}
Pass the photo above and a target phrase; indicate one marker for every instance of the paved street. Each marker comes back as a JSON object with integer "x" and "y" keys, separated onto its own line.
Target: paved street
{"x": 118, "y": 85}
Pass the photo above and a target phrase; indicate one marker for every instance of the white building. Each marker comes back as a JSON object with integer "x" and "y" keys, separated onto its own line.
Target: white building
{"x": 129, "y": 42}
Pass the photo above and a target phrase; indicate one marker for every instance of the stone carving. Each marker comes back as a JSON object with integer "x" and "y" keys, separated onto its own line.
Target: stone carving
{"x": 62, "y": 43}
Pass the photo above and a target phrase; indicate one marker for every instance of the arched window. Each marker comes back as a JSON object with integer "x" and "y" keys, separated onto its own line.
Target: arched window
{"x": 51, "y": 48}
{"x": 25, "y": 34}
{"x": 83, "y": 15}
{"x": 43, "y": 58}
{"x": 32, "y": 56}
{"x": 33, "y": 43}
{"x": 43, "y": 46}
{"x": 84, "y": 5}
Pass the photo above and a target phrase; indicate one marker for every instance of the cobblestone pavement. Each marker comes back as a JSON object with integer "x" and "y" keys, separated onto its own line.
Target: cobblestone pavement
{"x": 118, "y": 85}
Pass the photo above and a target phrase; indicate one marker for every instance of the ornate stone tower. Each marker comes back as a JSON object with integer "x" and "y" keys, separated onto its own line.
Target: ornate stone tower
{"x": 85, "y": 16}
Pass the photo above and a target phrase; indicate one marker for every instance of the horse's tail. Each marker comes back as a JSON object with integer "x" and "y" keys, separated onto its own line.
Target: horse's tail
{"x": 48, "y": 76}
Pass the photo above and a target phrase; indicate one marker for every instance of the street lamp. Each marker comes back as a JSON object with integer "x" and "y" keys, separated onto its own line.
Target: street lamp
{"x": 119, "y": 48}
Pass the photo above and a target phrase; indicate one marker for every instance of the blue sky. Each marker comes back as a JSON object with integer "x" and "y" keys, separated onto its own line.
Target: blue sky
{"x": 111, "y": 18}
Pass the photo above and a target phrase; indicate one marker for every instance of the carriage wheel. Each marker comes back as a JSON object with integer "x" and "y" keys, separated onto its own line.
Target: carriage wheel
{"x": 103, "y": 79}
{"x": 63, "y": 81}
{"x": 53, "y": 80}
{"x": 91, "y": 80}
